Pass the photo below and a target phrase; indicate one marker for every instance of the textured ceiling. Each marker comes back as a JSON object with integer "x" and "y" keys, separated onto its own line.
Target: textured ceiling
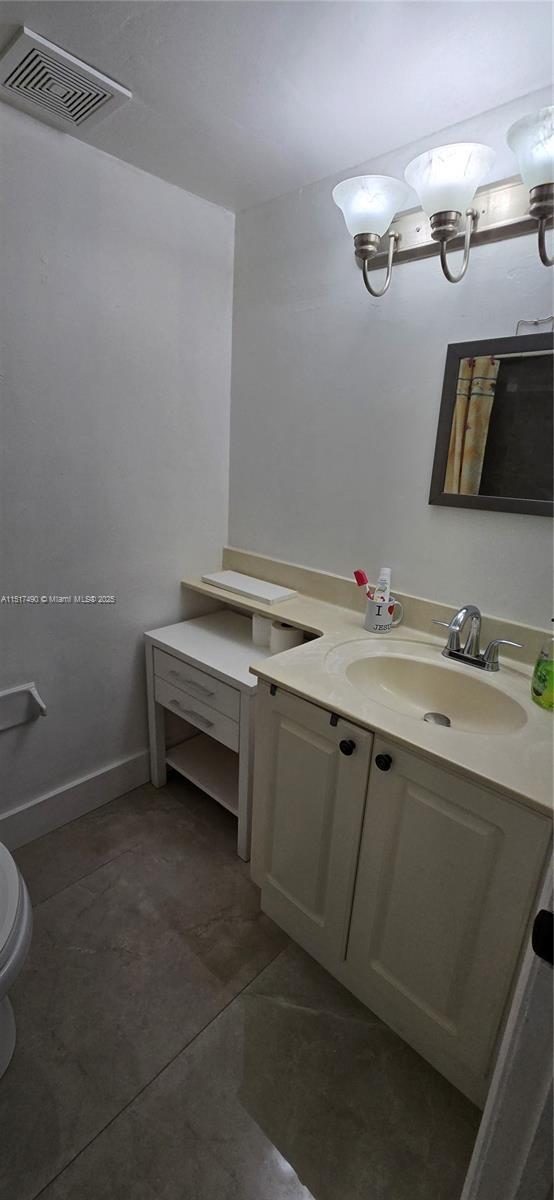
{"x": 241, "y": 101}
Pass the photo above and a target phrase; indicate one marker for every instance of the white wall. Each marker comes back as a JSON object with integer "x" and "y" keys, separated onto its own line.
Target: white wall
{"x": 335, "y": 399}
{"x": 115, "y": 348}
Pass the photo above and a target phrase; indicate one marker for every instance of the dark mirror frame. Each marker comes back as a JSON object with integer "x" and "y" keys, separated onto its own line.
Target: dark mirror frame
{"x": 455, "y": 353}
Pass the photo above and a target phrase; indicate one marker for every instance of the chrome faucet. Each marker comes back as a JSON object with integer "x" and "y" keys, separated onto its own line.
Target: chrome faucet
{"x": 470, "y": 653}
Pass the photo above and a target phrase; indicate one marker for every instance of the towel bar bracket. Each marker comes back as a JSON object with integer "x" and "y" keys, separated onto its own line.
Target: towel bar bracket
{"x": 19, "y": 705}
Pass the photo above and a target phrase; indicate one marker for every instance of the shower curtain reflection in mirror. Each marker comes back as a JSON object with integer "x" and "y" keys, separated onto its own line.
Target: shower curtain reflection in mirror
{"x": 494, "y": 445}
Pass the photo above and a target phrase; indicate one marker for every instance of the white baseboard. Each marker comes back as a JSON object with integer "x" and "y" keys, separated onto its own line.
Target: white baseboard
{"x": 36, "y": 817}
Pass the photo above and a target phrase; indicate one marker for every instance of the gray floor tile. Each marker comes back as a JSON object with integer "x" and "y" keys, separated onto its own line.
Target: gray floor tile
{"x": 293, "y": 1093}
{"x": 126, "y": 966}
{"x": 67, "y": 854}
{"x": 295, "y": 978}
{"x": 162, "y": 815}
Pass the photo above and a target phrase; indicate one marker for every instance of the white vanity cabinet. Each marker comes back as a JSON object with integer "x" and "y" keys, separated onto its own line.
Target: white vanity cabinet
{"x": 411, "y": 884}
{"x": 447, "y": 875}
{"x": 308, "y": 813}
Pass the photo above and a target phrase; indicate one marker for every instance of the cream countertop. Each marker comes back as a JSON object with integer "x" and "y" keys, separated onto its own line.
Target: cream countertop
{"x": 518, "y": 763}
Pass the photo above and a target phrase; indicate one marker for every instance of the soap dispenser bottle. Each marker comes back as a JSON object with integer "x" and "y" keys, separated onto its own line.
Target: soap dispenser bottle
{"x": 542, "y": 684}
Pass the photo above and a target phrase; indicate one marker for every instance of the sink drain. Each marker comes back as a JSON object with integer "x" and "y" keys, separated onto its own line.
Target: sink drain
{"x": 437, "y": 718}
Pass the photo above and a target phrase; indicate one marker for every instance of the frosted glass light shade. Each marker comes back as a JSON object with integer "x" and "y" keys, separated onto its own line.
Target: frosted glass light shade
{"x": 532, "y": 141}
{"x": 447, "y": 177}
{"x": 369, "y": 202}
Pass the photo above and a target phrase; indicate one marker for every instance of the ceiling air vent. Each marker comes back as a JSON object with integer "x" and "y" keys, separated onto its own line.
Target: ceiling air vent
{"x": 44, "y": 80}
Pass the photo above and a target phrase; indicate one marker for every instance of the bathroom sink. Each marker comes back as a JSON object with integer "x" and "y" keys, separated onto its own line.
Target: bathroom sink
{"x": 412, "y": 684}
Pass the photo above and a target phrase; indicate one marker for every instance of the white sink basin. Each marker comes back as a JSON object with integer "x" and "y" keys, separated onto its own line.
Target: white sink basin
{"x": 414, "y": 680}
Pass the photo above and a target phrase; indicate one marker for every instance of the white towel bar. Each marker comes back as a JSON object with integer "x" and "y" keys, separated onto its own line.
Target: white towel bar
{"x": 21, "y": 704}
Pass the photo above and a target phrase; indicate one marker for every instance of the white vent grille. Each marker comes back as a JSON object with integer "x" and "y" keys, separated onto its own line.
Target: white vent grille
{"x": 35, "y": 74}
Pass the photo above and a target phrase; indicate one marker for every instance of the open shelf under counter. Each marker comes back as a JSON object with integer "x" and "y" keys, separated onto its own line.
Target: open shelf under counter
{"x": 199, "y": 670}
{"x": 209, "y": 765}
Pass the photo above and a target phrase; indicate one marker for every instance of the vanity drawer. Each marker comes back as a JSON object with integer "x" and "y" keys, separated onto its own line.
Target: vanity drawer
{"x": 210, "y": 691}
{"x": 215, "y": 724}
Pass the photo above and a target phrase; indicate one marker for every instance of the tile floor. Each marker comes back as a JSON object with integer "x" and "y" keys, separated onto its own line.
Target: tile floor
{"x": 174, "y": 1046}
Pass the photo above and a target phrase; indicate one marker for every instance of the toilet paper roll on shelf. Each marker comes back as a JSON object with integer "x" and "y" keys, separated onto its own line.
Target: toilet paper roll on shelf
{"x": 261, "y": 629}
{"x": 284, "y": 637}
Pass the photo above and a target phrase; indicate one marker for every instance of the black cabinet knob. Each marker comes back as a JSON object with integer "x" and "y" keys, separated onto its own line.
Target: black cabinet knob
{"x": 347, "y": 746}
{"x": 383, "y": 761}
{"x": 542, "y": 939}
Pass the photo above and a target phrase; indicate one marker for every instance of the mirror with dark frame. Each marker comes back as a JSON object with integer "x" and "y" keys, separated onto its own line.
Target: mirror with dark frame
{"x": 494, "y": 446}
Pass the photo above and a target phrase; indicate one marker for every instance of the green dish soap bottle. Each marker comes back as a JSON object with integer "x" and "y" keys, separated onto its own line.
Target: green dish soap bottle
{"x": 542, "y": 683}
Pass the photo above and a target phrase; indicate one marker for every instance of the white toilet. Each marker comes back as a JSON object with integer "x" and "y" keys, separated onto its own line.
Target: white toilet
{"x": 16, "y": 926}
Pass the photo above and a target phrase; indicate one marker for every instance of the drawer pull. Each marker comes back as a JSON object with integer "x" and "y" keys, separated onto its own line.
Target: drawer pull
{"x": 189, "y": 712}
{"x": 191, "y": 683}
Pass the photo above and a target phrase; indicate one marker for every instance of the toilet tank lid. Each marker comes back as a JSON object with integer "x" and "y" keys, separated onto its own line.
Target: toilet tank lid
{"x": 10, "y": 887}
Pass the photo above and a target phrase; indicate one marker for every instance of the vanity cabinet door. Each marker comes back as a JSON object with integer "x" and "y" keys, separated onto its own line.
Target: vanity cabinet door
{"x": 310, "y": 782}
{"x": 447, "y": 875}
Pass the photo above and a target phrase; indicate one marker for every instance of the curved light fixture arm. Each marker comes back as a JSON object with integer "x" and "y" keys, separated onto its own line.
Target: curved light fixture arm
{"x": 393, "y": 238}
{"x": 471, "y": 219}
{"x": 548, "y": 262}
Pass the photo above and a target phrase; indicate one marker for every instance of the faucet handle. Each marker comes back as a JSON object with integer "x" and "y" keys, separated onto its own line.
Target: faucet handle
{"x": 453, "y": 642}
{"x": 490, "y": 655}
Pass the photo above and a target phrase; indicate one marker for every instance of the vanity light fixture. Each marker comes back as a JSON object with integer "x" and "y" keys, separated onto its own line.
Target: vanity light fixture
{"x": 446, "y": 180}
{"x": 368, "y": 204}
{"x": 532, "y": 141}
